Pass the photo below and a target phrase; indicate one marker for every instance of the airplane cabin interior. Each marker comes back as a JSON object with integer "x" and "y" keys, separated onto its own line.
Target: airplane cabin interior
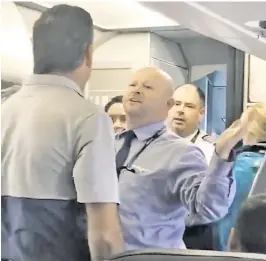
{"x": 218, "y": 46}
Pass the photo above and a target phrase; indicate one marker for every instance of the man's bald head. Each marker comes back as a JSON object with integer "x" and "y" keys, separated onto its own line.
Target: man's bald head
{"x": 166, "y": 81}
{"x": 149, "y": 94}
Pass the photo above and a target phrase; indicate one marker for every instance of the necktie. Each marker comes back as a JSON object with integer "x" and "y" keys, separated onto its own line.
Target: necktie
{"x": 122, "y": 154}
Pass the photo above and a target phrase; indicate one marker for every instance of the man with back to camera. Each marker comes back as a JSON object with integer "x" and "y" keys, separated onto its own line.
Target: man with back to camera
{"x": 163, "y": 177}
{"x": 115, "y": 110}
{"x": 185, "y": 116}
{"x": 54, "y": 144}
{"x": 248, "y": 236}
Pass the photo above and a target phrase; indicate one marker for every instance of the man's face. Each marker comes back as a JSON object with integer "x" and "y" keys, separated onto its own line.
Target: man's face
{"x": 187, "y": 112}
{"x": 118, "y": 116}
{"x": 145, "y": 95}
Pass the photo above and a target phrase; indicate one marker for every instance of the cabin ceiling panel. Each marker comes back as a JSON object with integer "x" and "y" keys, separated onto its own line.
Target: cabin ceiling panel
{"x": 16, "y": 47}
{"x": 200, "y": 19}
{"x": 239, "y": 12}
{"x": 179, "y": 35}
{"x": 30, "y": 16}
{"x": 205, "y": 51}
{"x": 120, "y": 14}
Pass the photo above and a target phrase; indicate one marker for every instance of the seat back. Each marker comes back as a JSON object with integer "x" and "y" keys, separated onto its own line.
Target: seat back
{"x": 259, "y": 185}
{"x": 185, "y": 255}
{"x": 244, "y": 171}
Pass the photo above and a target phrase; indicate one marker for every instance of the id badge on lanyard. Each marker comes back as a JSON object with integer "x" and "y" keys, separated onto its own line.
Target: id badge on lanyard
{"x": 132, "y": 160}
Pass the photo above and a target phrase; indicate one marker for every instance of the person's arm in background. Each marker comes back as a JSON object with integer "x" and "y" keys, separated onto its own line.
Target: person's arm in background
{"x": 96, "y": 184}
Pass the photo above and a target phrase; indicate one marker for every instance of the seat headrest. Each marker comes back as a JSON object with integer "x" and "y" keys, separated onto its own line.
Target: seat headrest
{"x": 185, "y": 255}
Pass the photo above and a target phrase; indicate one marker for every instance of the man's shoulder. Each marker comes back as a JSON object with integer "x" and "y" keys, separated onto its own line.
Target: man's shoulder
{"x": 95, "y": 111}
{"x": 181, "y": 148}
{"x": 83, "y": 108}
{"x": 208, "y": 138}
{"x": 93, "y": 108}
{"x": 176, "y": 141}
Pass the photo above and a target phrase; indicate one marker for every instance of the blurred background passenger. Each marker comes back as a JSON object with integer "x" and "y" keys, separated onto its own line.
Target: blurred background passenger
{"x": 185, "y": 116}
{"x": 249, "y": 234}
{"x": 115, "y": 110}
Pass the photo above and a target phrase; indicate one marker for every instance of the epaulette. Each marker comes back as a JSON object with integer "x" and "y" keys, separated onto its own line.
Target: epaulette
{"x": 209, "y": 139}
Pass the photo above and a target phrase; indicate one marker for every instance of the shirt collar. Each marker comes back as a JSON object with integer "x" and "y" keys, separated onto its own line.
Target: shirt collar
{"x": 53, "y": 80}
{"x": 191, "y": 136}
{"x": 145, "y": 132}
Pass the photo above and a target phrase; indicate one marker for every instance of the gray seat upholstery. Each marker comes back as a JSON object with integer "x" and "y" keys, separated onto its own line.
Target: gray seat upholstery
{"x": 185, "y": 255}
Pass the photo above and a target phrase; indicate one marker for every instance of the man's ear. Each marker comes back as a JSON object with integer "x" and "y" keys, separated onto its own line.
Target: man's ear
{"x": 170, "y": 103}
{"x": 202, "y": 113}
{"x": 88, "y": 56}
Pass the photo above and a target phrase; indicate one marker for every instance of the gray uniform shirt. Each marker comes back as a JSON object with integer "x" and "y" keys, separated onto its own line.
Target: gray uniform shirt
{"x": 57, "y": 150}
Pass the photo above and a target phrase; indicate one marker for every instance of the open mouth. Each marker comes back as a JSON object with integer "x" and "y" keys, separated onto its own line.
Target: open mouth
{"x": 134, "y": 100}
{"x": 179, "y": 120}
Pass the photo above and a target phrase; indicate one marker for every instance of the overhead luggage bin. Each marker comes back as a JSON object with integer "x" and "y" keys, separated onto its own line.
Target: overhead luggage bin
{"x": 222, "y": 21}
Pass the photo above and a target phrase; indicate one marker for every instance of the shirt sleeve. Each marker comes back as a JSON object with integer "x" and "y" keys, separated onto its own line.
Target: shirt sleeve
{"x": 207, "y": 192}
{"x": 94, "y": 172}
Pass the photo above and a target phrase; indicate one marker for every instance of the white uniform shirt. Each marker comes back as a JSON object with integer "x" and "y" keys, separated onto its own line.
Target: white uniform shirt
{"x": 204, "y": 141}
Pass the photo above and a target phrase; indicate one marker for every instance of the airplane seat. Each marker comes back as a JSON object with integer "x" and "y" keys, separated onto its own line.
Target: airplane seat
{"x": 185, "y": 255}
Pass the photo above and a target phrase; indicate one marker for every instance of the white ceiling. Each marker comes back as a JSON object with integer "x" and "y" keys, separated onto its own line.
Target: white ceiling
{"x": 177, "y": 21}
{"x": 222, "y": 21}
{"x": 16, "y": 48}
{"x": 30, "y": 16}
{"x": 119, "y": 14}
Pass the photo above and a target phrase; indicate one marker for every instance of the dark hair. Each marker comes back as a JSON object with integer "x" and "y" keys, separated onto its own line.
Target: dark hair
{"x": 199, "y": 91}
{"x": 250, "y": 229}
{"x": 61, "y": 37}
{"x": 116, "y": 99}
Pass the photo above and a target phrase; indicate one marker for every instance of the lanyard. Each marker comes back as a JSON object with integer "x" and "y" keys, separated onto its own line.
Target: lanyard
{"x": 147, "y": 143}
{"x": 195, "y": 137}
